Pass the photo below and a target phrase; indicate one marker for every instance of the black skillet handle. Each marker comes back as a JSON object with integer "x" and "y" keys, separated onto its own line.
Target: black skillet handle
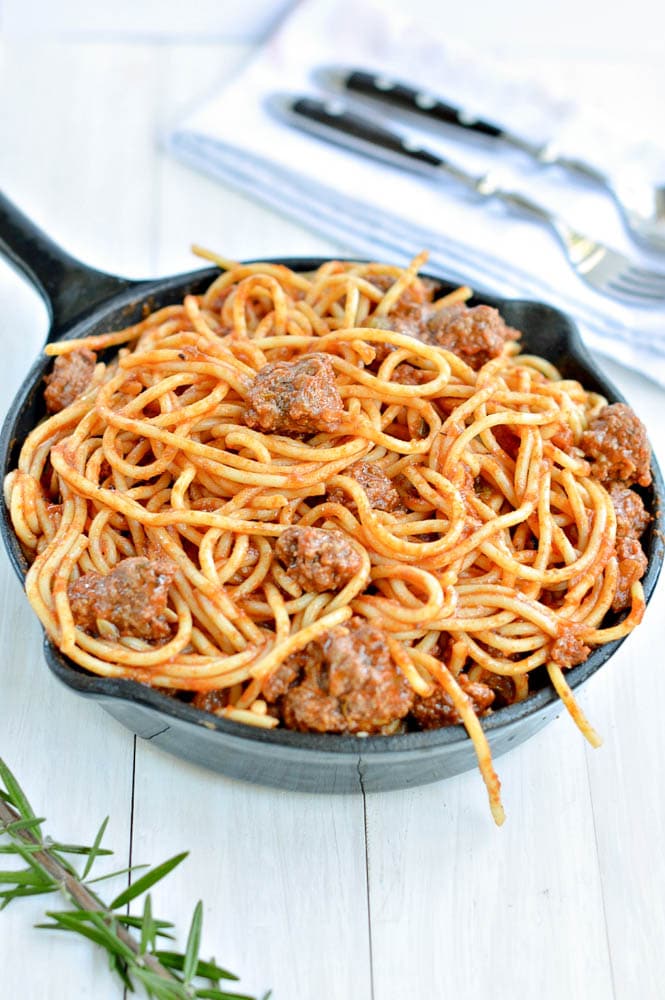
{"x": 69, "y": 288}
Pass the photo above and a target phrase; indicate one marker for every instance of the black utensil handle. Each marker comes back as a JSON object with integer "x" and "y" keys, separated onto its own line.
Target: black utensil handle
{"x": 334, "y": 121}
{"x": 68, "y": 287}
{"x": 396, "y": 94}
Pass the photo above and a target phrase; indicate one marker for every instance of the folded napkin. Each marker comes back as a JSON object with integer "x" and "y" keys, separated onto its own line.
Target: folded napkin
{"x": 377, "y": 211}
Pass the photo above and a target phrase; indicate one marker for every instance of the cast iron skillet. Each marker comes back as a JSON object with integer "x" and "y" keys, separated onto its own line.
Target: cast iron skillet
{"x": 83, "y": 301}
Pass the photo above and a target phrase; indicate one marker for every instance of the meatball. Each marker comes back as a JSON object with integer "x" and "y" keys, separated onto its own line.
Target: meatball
{"x": 348, "y": 683}
{"x": 211, "y": 701}
{"x": 409, "y": 314}
{"x": 616, "y": 442}
{"x": 475, "y": 334}
{"x": 437, "y": 710}
{"x": 71, "y": 376}
{"x": 632, "y": 518}
{"x": 318, "y": 559}
{"x": 632, "y": 566}
{"x": 563, "y": 438}
{"x": 285, "y": 676}
{"x": 132, "y": 597}
{"x": 407, "y": 374}
{"x": 380, "y": 492}
{"x": 568, "y": 650}
{"x": 295, "y": 397}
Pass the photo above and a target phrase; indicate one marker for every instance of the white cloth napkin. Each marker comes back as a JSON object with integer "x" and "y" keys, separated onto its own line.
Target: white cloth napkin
{"x": 379, "y": 211}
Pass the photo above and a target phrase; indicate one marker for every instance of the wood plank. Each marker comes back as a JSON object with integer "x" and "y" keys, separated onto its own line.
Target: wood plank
{"x": 83, "y": 147}
{"x": 463, "y": 909}
{"x": 282, "y": 875}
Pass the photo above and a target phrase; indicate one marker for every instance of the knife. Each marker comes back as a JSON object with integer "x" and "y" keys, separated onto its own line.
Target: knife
{"x": 418, "y": 104}
{"x": 334, "y": 121}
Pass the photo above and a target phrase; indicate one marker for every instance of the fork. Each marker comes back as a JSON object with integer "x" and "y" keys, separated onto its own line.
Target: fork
{"x": 606, "y": 270}
{"x": 640, "y": 203}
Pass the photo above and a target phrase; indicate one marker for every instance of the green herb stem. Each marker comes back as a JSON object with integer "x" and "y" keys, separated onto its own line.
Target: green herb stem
{"x": 75, "y": 891}
{"x": 164, "y": 975}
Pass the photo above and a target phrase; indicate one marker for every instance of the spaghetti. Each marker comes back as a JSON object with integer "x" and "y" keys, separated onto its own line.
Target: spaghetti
{"x": 327, "y": 501}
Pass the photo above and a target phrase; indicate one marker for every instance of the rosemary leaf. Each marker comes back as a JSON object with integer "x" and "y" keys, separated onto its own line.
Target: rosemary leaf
{"x": 32, "y": 858}
{"x": 78, "y": 927}
{"x": 25, "y": 877}
{"x": 17, "y": 796}
{"x": 120, "y": 968}
{"x": 164, "y": 989}
{"x": 115, "y": 942}
{"x": 163, "y": 975}
{"x": 147, "y": 881}
{"x": 21, "y": 825}
{"x": 95, "y": 850}
{"x": 207, "y": 970}
{"x": 120, "y": 871}
{"x": 221, "y": 995}
{"x": 81, "y": 849}
{"x": 193, "y": 944}
{"x": 148, "y": 928}
{"x": 11, "y": 848}
{"x": 130, "y": 920}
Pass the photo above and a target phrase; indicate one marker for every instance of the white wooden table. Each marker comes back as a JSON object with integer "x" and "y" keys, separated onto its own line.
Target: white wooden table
{"x": 408, "y": 894}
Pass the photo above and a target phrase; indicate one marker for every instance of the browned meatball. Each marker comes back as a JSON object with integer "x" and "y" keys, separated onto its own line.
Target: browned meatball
{"x": 632, "y": 566}
{"x": 438, "y": 711}
{"x": 568, "y": 650}
{"x": 287, "y": 673}
{"x": 632, "y": 518}
{"x": 503, "y": 688}
{"x": 476, "y": 334}
{"x": 616, "y": 441}
{"x": 318, "y": 559}
{"x": 211, "y": 701}
{"x": 409, "y": 313}
{"x": 378, "y": 488}
{"x": 419, "y": 291}
{"x": 407, "y": 374}
{"x": 308, "y": 709}
{"x": 70, "y": 377}
{"x": 349, "y": 684}
{"x": 563, "y": 438}
{"x": 132, "y": 597}
{"x": 295, "y": 396}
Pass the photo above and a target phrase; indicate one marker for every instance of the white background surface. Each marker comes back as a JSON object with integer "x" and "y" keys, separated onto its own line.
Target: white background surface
{"x": 410, "y": 894}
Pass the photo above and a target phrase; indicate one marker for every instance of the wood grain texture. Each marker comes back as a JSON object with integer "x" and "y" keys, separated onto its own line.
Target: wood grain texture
{"x": 565, "y": 901}
{"x": 282, "y": 876}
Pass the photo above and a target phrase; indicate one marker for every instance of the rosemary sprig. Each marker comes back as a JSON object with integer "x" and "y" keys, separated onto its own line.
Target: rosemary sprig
{"x": 136, "y": 958}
